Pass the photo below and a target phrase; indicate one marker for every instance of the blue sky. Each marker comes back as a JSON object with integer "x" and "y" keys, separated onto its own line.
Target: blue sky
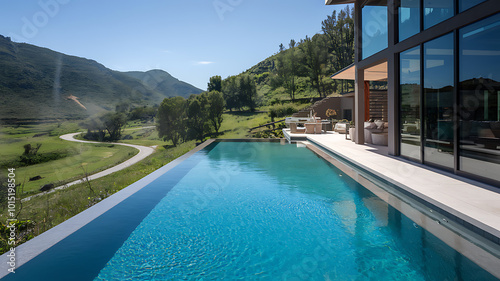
{"x": 191, "y": 39}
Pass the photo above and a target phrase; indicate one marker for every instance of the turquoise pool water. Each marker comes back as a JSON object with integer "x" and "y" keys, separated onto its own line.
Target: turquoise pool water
{"x": 252, "y": 211}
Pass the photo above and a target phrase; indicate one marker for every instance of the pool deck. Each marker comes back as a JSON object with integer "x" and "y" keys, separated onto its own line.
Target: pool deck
{"x": 475, "y": 204}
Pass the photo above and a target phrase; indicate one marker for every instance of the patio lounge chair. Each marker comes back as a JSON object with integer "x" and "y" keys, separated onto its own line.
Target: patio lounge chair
{"x": 310, "y": 128}
{"x": 294, "y": 129}
{"x": 340, "y": 128}
{"x": 318, "y": 128}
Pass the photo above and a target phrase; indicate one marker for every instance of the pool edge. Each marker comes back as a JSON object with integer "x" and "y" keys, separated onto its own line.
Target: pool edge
{"x": 34, "y": 247}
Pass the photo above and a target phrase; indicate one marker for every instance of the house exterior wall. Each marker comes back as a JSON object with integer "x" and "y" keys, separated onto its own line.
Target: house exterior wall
{"x": 466, "y": 148}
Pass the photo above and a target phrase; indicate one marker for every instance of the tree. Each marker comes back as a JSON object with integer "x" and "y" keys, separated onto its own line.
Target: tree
{"x": 114, "y": 123}
{"x": 143, "y": 113}
{"x": 293, "y": 64}
{"x": 314, "y": 60}
{"x": 339, "y": 32}
{"x": 123, "y": 107}
{"x": 230, "y": 93}
{"x": 288, "y": 68}
{"x": 197, "y": 116}
{"x": 283, "y": 70}
{"x": 248, "y": 92}
{"x": 95, "y": 129}
{"x": 215, "y": 84}
{"x": 171, "y": 119}
{"x": 215, "y": 109}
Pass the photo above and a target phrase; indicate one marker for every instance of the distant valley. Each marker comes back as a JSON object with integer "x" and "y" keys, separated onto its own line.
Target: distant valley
{"x": 41, "y": 84}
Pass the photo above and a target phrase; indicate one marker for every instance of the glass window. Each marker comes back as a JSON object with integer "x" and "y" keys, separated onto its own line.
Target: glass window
{"x": 374, "y": 26}
{"x": 438, "y": 101}
{"x": 409, "y": 18}
{"x": 479, "y": 77}
{"x": 436, "y": 11}
{"x": 466, "y": 4}
{"x": 410, "y": 102}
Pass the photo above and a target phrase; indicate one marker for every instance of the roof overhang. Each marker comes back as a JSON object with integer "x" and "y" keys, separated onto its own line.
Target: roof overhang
{"x": 337, "y": 2}
{"x": 374, "y": 73}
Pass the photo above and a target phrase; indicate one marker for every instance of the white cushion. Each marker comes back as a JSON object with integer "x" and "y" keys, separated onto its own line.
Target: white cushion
{"x": 379, "y": 123}
{"x": 370, "y": 125}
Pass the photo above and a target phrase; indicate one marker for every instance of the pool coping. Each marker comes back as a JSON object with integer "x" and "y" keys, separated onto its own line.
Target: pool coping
{"x": 34, "y": 247}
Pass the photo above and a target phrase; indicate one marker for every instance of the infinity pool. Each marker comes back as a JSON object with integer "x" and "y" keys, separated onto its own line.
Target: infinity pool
{"x": 252, "y": 211}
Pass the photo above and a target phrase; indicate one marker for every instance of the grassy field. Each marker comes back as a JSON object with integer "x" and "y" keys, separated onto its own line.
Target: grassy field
{"x": 51, "y": 209}
{"x": 147, "y": 136}
{"x": 91, "y": 159}
{"x": 73, "y": 158}
{"x": 236, "y": 124}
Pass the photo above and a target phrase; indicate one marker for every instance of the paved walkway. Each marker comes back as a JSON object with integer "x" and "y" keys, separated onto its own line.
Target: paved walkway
{"x": 144, "y": 152}
{"x": 473, "y": 202}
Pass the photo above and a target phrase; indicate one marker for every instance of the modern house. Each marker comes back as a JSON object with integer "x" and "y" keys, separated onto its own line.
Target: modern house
{"x": 441, "y": 61}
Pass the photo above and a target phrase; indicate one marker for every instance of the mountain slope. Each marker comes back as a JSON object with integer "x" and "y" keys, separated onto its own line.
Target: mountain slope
{"x": 163, "y": 82}
{"x": 38, "y": 83}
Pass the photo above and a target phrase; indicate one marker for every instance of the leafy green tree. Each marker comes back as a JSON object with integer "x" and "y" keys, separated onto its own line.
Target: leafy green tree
{"x": 230, "y": 90}
{"x": 248, "y": 92}
{"x": 294, "y": 66}
{"x": 215, "y": 84}
{"x": 339, "y": 32}
{"x": 95, "y": 129}
{"x": 171, "y": 119}
{"x": 314, "y": 60}
{"x": 282, "y": 68}
{"x": 114, "y": 123}
{"x": 287, "y": 68}
{"x": 123, "y": 107}
{"x": 215, "y": 109}
{"x": 197, "y": 113}
{"x": 143, "y": 113}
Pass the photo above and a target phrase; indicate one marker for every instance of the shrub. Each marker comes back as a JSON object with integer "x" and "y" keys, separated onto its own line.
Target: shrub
{"x": 278, "y": 111}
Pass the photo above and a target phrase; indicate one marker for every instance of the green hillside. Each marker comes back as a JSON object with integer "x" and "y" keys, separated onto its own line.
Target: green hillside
{"x": 38, "y": 83}
{"x": 301, "y": 70}
{"x": 165, "y": 83}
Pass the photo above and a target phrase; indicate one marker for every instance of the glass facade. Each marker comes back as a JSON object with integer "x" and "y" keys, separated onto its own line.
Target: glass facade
{"x": 466, "y": 4}
{"x": 409, "y": 18}
{"x": 479, "y": 91}
{"x": 436, "y": 11}
{"x": 438, "y": 101}
{"x": 409, "y": 89}
{"x": 449, "y": 113}
{"x": 374, "y": 27}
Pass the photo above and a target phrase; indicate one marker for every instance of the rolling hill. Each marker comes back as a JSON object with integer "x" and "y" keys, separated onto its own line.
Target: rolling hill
{"x": 163, "y": 82}
{"x": 38, "y": 83}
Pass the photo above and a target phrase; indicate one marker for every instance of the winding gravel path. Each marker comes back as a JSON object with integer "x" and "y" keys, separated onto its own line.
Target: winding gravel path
{"x": 144, "y": 151}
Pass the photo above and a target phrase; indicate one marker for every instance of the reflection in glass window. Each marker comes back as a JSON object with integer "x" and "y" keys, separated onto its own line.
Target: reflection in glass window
{"x": 466, "y": 4}
{"x": 438, "y": 101}
{"x": 374, "y": 26}
{"x": 436, "y": 11}
{"x": 409, "y": 18}
{"x": 410, "y": 102}
{"x": 479, "y": 78}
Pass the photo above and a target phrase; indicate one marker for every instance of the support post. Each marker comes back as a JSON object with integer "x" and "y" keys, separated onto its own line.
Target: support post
{"x": 393, "y": 80}
{"x": 359, "y": 105}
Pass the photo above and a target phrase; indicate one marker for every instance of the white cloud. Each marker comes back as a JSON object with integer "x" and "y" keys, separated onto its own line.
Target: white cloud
{"x": 204, "y": 62}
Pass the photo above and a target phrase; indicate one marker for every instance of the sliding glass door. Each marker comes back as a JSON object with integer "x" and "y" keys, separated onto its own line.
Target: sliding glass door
{"x": 409, "y": 89}
{"x": 438, "y": 102}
